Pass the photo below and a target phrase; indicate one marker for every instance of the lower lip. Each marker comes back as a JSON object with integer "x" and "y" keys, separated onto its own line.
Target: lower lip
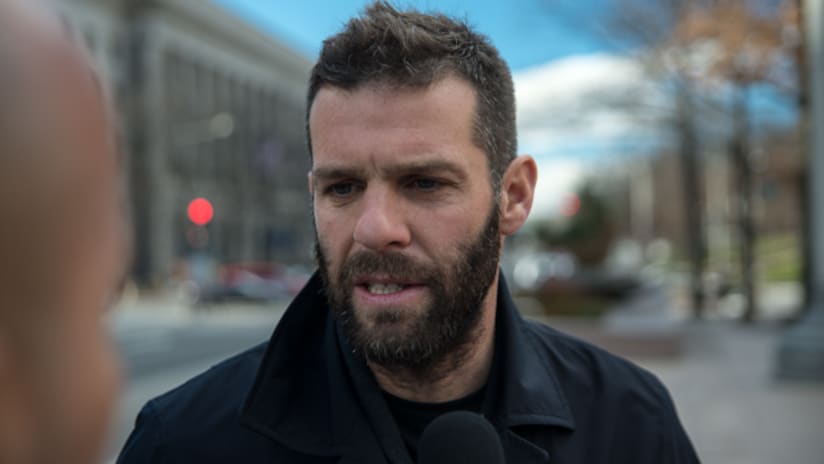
{"x": 410, "y": 295}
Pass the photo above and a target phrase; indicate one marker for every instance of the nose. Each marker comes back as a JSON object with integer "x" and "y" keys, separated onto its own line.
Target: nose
{"x": 381, "y": 225}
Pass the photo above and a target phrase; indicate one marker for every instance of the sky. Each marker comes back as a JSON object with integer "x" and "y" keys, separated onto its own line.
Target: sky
{"x": 527, "y": 32}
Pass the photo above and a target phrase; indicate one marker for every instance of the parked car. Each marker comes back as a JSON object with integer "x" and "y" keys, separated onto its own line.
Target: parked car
{"x": 260, "y": 281}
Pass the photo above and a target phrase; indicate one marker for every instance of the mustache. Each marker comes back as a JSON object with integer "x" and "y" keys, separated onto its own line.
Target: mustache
{"x": 393, "y": 265}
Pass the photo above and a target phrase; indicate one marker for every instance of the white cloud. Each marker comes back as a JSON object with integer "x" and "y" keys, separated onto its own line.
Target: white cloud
{"x": 569, "y": 106}
{"x": 567, "y": 80}
{"x": 557, "y": 178}
{"x": 567, "y": 116}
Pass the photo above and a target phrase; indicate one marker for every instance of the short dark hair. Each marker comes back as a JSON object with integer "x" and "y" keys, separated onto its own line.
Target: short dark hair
{"x": 413, "y": 49}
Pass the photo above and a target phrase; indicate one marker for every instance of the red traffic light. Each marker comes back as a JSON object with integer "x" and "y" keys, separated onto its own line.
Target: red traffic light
{"x": 200, "y": 211}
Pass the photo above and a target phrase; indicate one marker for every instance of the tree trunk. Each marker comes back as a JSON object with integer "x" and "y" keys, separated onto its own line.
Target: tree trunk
{"x": 742, "y": 167}
{"x": 693, "y": 198}
{"x": 804, "y": 178}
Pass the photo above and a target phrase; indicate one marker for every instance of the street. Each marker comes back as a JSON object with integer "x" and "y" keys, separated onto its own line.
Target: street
{"x": 163, "y": 344}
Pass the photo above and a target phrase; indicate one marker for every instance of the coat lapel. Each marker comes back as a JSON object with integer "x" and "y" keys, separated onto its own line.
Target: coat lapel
{"x": 363, "y": 425}
{"x": 518, "y": 449}
{"x": 526, "y": 392}
{"x": 289, "y": 400}
{"x": 311, "y": 395}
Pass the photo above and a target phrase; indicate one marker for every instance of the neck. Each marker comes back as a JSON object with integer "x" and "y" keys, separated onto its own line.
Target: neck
{"x": 460, "y": 374}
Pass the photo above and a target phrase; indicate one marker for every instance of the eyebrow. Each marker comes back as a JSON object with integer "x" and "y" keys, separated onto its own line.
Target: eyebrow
{"x": 337, "y": 172}
{"x": 395, "y": 170}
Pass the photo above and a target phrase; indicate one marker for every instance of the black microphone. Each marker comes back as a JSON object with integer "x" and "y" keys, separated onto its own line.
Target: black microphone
{"x": 460, "y": 437}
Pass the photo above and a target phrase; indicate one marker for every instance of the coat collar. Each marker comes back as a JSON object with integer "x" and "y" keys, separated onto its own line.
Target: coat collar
{"x": 313, "y": 396}
{"x": 529, "y": 391}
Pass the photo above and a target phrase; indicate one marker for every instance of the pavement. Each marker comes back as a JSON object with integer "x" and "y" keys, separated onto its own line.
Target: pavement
{"x": 730, "y": 402}
{"x": 720, "y": 373}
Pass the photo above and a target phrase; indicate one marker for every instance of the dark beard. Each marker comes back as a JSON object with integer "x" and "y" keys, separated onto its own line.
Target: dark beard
{"x": 443, "y": 334}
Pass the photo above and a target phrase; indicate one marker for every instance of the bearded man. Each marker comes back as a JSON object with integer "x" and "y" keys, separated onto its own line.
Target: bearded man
{"x": 415, "y": 185}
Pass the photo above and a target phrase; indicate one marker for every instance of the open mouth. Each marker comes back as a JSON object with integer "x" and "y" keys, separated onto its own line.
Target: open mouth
{"x": 381, "y": 285}
{"x": 384, "y": 289}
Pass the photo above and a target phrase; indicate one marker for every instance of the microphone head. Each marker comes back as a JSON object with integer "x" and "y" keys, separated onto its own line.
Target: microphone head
{"x": 460, "y": 437}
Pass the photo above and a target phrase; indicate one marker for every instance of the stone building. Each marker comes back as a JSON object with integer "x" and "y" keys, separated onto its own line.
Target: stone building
{"x": 208, "y": 107}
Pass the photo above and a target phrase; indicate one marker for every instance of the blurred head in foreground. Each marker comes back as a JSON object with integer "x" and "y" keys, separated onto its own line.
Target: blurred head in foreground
{"x": 62, "y": 244}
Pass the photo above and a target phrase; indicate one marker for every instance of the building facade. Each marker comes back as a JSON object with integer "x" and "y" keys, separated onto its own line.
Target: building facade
{"x": 208, "y": 107}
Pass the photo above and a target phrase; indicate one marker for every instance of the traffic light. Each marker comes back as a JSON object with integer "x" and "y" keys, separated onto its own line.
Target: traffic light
{"x": 200, "y": 211}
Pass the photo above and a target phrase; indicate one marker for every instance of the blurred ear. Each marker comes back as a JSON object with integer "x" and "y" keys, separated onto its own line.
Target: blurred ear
{"x": 311, "y": 187}
{"x": 517, "y": 192}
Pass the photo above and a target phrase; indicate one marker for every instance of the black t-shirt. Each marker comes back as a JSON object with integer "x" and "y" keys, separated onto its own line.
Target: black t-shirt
{"x": 412, "y": 417}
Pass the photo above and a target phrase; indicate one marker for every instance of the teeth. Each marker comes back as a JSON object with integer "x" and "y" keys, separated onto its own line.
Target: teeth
{"x": 384, "y": 289}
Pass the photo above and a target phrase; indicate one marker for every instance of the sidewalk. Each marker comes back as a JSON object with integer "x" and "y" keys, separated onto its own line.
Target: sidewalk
{"x": 723, "y": 384}
{"x": 720, "y": 374}
{"x": 732, "y": 406}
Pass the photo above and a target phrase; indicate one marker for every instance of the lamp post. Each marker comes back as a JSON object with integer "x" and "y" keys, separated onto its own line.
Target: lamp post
{"x": 801, "y": 350}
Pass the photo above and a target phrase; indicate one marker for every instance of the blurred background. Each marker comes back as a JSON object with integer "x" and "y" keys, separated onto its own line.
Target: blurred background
{"x": 675, "y": 214}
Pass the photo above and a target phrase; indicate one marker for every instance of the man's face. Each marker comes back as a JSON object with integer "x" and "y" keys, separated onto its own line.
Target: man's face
{"x": 407, "y": 225}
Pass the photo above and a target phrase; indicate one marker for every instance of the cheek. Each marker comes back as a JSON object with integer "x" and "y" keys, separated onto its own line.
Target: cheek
{"x": 84, "y": 362}
{"x": 334, "y": 237}
{"x": 77, "y": 386}
{"x": 441, "y": 233}
{"x": 89, "y": 384}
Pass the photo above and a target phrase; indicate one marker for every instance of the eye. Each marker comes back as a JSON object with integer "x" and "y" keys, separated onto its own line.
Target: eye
{"x": 425, "y": 184}
{"x": 341, "y": 189}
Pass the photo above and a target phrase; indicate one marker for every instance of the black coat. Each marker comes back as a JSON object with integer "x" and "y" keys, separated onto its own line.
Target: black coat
{"x": 304, "y": 398}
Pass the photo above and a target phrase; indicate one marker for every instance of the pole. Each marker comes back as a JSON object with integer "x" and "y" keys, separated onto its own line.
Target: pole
{"x": 742, "y": 167}
{"x": 801, "y": 350}
{"x": 693, "y": 200}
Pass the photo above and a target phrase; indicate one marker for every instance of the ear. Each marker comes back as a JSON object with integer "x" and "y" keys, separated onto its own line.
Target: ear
{"x": 311, "y": 184}
{"x": 517, "y": 192}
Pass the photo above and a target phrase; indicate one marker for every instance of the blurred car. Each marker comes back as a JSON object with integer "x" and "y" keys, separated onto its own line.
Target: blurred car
{"x": 559, "y": 286}
{"x": 532, "y": 271}
{"x": 261, "y": 281}
{"x": 246, "y": 281}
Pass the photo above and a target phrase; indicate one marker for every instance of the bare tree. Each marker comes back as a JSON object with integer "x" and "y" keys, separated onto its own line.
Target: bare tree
{"x": 708, "y": 54}
{"x": 743, "y": 44}
{"x": 645, "y": 30}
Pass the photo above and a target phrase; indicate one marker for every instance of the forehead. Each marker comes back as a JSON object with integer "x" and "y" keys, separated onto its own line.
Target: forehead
{"x": 446, "y": 91}
{"x": 379, "y": 120}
